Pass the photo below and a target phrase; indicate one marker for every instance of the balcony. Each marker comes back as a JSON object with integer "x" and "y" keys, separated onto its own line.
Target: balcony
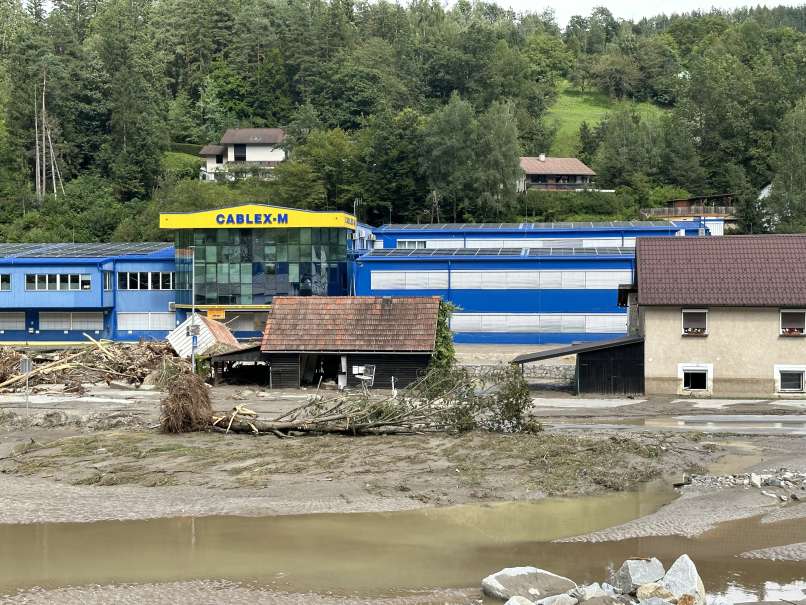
{"x": 231, "y": 171}
{"x": 684, "y": 211}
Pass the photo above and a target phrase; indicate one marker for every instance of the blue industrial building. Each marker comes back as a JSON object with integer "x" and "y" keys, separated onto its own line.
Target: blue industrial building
{"x": 55, "y": 293}
{"x": 511, "y": 283}
{"x": 528, "y": 283}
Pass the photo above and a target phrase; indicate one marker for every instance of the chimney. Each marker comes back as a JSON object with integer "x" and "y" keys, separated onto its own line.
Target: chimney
{"x": 542, "y": 157}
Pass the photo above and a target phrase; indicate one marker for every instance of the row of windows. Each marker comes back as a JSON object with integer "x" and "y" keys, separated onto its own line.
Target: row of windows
{"x": 514, "y": 242}
{"x": 598, "y": 323}
{"x": 788, "y": 379}
{"x": 57, "y": 281}
{"x": 83, "y": 281}
{"x": 695, "y": 322}
{"x": 500, "y": 280}
{"x": 145, "y": 280}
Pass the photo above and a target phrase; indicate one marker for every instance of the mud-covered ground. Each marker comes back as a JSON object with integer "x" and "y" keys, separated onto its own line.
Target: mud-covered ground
{"x": 131, "y": 470}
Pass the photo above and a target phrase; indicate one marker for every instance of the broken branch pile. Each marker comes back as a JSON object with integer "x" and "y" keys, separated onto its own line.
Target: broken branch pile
{"x": 450, "y": 401}
{"x": 99, "y": 362}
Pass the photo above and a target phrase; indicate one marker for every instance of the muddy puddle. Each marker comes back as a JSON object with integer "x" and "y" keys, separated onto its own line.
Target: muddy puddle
{"x": 761, "y": 424}
{"x": 375, "y": 554}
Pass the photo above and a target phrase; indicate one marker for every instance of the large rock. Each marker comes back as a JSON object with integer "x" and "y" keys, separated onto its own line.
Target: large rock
{"x": 589, "y": 591}
{"x": 635, "y": 572}
{"x": 558, "y": 599}
{"x": 605, "y": 600}
{"x": 529, "y": 582}
{"x": 683, "y": 579}
{"x": 654, "y": 590}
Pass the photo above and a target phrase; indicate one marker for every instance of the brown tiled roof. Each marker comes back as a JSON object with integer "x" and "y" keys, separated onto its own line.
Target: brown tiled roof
{"x": 253, "y": 136}
{"x": 739, "y": 270}
{"x": 221, "y": 332}
{"x": 564, "y": 166}
{"x": 212, "y": 149}
{"x": 351, "y": 323}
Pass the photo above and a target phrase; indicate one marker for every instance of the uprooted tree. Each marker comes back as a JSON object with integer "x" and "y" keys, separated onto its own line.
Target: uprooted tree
{"x": 446, "y": 399}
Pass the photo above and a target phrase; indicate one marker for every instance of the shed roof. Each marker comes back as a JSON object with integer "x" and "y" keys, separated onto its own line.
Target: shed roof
{"x": 352, "y": 323}
{"x": 253, "y": 136}
{"x": 735, "y": 271}
{"x": 212, "y": 149}
{"x": 566, "y": 166}
{"x": 582, "y": 347}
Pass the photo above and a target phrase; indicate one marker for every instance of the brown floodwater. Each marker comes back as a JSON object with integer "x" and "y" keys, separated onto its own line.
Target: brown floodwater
{"x": 374, "y": 554}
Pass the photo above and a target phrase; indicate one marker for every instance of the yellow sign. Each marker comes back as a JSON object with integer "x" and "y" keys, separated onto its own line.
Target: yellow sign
{"x": 256, "y": 216}
{"x": 216, "y": 313}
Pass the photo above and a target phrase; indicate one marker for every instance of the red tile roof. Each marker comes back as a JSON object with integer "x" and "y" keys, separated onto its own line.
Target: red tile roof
{"x": 562, "y": 166}
{"x": 746, "y": 270}
{"x": 253, "y": 136}
{"x": 351, "y": 323}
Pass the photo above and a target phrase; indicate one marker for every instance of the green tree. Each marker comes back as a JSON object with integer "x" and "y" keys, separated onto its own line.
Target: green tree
{"x": 498, "y": 163}
{"x": 297, "y": 185}
{"x": 787, "y": 202}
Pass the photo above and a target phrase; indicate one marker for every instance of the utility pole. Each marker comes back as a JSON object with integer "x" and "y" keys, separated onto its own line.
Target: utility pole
{"x": 193, "y": 335}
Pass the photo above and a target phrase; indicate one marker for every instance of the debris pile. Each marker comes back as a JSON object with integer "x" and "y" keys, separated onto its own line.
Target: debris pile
{"x": 187, "y": 407}
{"x": 783, "y": 483}
{"x": 98, "y": 362}
{"x": 497, "y": 400}
{"x": 643, "y": 581}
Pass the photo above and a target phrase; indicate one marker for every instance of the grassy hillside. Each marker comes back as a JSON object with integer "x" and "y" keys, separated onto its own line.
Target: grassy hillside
{"x": 572, "y": 108}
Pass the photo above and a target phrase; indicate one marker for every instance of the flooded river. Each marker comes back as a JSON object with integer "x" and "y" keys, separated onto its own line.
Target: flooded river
{"x": 374, "y": 554}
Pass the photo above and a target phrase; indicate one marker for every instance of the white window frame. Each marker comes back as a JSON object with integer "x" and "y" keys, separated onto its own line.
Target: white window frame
{"x": 57, "y": 280}
{"x": 708, "y": 368}
{"x": 683, "y": 321}
{"x": 149, "y": 280}
{"x": 779, "y": 368}
{"x": 781, "y": 321}
{"x": 416, "y": 243}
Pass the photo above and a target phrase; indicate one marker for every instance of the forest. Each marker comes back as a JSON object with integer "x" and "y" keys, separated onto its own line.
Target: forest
{"x": 408, "y": 112}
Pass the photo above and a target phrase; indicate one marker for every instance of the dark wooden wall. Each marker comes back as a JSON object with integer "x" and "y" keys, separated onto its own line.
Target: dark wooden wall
{"x": 613, "y": 371}
{"x": 284, "y": 370}
{"x": 404, "y": 367}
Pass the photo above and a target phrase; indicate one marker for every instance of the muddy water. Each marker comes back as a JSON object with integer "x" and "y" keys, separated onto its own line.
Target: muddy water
{"x": 377, "y": 554}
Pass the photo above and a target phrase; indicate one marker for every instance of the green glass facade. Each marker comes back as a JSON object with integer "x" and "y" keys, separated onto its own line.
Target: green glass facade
{"x": 251, "y": 266}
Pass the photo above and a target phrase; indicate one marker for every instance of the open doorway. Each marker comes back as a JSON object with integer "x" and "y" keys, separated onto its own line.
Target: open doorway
{"x": 314, "y": 367}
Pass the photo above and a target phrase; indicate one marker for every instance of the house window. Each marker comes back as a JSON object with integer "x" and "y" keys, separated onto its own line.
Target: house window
{"x": 793, "y": 323}
{"x": 695, "y": 322}
{"x": 240, "y": 153}
{"x": 108, "y": 281}
{"x": 219, "y": 159}
{"x": 791, "y": 381}
{"x": 695, "y": 380}
{"x": 5, "y": 282}
{"x": 411, "y": 243}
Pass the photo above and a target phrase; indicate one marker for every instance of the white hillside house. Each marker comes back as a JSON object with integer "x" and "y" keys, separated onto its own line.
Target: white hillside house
{"x": 243, "y": 151}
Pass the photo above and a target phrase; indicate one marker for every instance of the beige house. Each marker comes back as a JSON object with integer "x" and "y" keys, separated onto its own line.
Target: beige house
{"x": 555, "y": 174}
{"x": 723, "y": 317}
{"x": 246, "y": 150}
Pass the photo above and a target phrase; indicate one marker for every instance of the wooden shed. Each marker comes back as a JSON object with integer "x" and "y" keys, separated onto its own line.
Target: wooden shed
{"x": 605, "y": 367}
{"x": 310, "y": 340}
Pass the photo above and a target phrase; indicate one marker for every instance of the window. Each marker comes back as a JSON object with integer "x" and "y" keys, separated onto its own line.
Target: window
{"x": 58, "y": 281}
{"x": 240, "y": 153}
{"x": 411, "y": 243}
{"x": 108, "y": 280}
{"x": 5, "y": 282}
{"x": 695, "y": 322}
{"x": 695, "y": 380}
{"x": 12, "y": 320}
{"x": 60, "y": 320}
{"x": 219, "y": 159}
{"x": 791, "y": 381}
{"x": 142, "y": 280}
{"x": 130, "y": 322}
{"x": 793, "y": 323}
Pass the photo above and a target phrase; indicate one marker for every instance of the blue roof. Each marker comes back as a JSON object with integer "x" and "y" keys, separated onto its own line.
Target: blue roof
{"x": 86, "y": 252}
{"x": 531, "y": 227}
{"x": 488, "y": 253}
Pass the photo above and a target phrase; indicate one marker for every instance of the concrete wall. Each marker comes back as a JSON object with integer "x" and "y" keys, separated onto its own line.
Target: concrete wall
{"x": 740, "y": 352}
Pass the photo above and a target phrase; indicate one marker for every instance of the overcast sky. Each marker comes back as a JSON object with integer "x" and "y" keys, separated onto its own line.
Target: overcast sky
{"x": 628, "y": 9}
